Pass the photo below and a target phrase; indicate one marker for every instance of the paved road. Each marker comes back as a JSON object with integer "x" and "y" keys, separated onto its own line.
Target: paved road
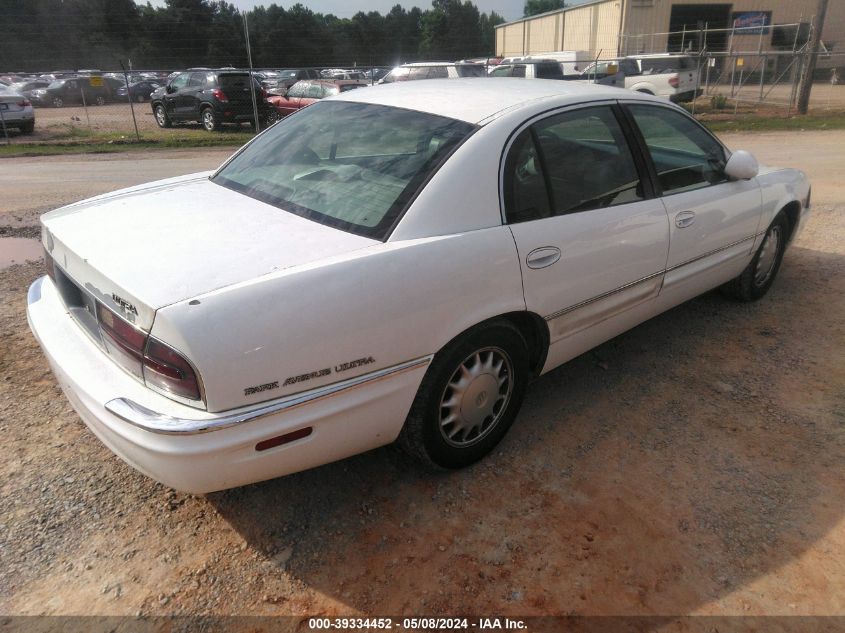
{"x": 33, "y": 185}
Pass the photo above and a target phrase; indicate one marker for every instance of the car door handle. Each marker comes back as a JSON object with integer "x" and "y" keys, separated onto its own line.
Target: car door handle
{"x": 542, "y": 257}
{"x": 684, "y": 219}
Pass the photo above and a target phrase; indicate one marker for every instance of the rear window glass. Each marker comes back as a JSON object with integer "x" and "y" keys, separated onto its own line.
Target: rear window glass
{"x": 352, "y": 166}
{"x": 233, "y": 82}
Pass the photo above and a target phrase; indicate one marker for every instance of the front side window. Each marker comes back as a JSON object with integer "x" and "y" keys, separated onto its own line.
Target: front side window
{"x": 502, "y": 71}
{"x": 584, "y": 163}
{"x": 352, "y": 166}
{"x": 180, "y": 81}
{"x": 685, "y": 155}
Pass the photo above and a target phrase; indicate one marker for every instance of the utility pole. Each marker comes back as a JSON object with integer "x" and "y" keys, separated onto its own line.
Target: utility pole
{"x": 810, "y": 66}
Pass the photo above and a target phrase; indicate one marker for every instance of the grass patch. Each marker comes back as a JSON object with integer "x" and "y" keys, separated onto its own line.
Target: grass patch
{"x": 762, "y": 123}
{"x": 76, "y": 140}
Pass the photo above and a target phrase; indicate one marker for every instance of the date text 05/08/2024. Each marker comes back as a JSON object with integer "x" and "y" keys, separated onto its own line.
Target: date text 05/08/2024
{"x": 416, "y": 624}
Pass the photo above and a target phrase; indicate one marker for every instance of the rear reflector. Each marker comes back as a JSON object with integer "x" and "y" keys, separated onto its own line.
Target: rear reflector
{"x": 284, "y": 439}
{"x": 674, "y": 81}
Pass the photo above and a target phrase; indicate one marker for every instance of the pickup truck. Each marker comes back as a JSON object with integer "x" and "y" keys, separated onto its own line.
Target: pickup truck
{"x": 671, "y": 76}
{"x": 608, "y": 73}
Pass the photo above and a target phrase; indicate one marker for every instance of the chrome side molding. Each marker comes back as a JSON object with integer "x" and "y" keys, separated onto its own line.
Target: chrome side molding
{"x": 149, "y": 420}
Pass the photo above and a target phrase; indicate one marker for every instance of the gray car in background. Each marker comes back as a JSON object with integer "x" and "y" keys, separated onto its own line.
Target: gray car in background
{"x": 15, "y": 111}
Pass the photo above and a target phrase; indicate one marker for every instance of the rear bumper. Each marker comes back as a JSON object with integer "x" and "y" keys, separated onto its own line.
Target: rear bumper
{"x": 201, "y": 452}
{"x": 17, "y": 118}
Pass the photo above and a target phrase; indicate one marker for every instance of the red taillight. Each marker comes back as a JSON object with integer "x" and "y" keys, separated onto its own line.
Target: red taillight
{"x": 24, "y": 103}
{"x": 166, "y": 369}
{"x": 123, "y": 340}
{"x": 220, "y": 95}
{"x": 674, "y": 81}
{"x": 158, "y": 365}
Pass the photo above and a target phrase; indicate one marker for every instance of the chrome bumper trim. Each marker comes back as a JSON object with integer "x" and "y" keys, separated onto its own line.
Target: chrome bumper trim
{"x": 148, "y": 420}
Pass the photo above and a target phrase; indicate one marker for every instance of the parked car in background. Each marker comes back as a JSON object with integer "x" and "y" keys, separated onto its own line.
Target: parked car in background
{"x": 304, "y": 93}
{"x": 139, "y": 91}
{"x": 76, "y": 90}
{"x": 432, "y": 70}
{"x": 674, "y": 77}
{"x": 289, "y": 76}
{"x": 26, "y": 87}
{"x": 529, "y": 69}
{"x": 337, "y": 285}
{"x": 15, "y": 111}
{"x": 533, "y": 68}
{"x": 211, "y": 97}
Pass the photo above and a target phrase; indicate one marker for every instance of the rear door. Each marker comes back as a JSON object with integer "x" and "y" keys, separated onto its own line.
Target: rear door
{"x": 714, "y": 220}
{"x": 592, "y": 238}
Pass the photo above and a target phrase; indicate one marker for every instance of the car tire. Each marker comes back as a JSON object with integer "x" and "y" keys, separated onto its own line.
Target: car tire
{"x": 58, "y": 102}
{"x": 100, "y": 100}
{"x": 161, "y": 117}
{"x": 754, "y": 282}
{"x": 209, "y": 120}
{"x": 140, "y": 98}
{"x": 28, "y": 128}
{"x": 469, "y": 397}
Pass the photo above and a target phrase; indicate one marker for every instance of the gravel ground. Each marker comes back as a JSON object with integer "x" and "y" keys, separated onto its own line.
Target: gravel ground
{"x": 691, "y": 466}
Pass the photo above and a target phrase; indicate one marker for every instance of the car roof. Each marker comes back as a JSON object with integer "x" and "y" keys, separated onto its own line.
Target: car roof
{"x": 477, "y": 100}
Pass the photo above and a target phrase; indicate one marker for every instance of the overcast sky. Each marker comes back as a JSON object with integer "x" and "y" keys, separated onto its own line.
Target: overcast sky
{"x": 509, "y": 9}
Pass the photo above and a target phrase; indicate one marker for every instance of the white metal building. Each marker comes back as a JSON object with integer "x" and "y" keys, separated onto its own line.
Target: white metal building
{"x": 611, "y": 28}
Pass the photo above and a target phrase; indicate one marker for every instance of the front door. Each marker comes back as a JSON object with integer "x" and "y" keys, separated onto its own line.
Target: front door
{"x": 714, "y": 221}
{"x": 591, "y": 237}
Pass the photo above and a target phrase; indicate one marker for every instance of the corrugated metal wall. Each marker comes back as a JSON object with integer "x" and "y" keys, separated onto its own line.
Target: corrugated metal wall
{"x": 596, "y": 27}
{"x": 593, "y": 27}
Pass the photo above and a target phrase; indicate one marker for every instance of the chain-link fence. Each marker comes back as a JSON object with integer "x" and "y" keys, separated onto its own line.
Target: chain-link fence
{"x": 73, "y": 107}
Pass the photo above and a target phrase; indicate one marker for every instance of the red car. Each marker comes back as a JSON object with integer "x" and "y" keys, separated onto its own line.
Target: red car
{"x": 304, "y": 93}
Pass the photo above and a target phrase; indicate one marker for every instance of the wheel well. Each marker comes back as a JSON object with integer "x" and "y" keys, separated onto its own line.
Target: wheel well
{"x": 793, "y": 214}
{"x": 533, "y": 327}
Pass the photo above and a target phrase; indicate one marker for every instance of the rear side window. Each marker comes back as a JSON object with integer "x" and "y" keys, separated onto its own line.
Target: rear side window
{"x": 438, "y": 72}
{"x": 470, "y": 70}
{"x": 584, "y": 163}
{"x": 518, "y": 71}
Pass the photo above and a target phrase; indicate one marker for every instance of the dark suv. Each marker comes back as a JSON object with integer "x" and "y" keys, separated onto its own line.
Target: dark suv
{"x": 211, "y": 97}
{"x": 70, "y": 91}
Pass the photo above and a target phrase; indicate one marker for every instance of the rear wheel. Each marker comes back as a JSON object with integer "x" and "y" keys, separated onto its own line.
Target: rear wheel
{"x": 28, "y": 128}
{"x": 754, "y": 282}
{"x": 161, "y": 116}
{"x": 209, "y": 120}
{"x": 140, "y": 98}
{"x": 58, "y": 102}
{"x": 100, "y": 100}
{"x": 469, "y": 397}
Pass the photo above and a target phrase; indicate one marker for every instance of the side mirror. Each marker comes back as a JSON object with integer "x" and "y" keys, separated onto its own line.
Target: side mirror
{"x": 741, "y": 166}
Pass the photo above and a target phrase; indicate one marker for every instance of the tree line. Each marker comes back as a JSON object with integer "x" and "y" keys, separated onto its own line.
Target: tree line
{"x": 43, "y": 35}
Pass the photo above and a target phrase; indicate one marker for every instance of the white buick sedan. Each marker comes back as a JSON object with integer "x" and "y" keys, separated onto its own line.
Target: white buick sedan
{"x": 395, "y": 263}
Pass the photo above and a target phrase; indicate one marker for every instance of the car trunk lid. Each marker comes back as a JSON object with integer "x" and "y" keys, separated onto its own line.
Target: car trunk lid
{"x": 144, "y": 248}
